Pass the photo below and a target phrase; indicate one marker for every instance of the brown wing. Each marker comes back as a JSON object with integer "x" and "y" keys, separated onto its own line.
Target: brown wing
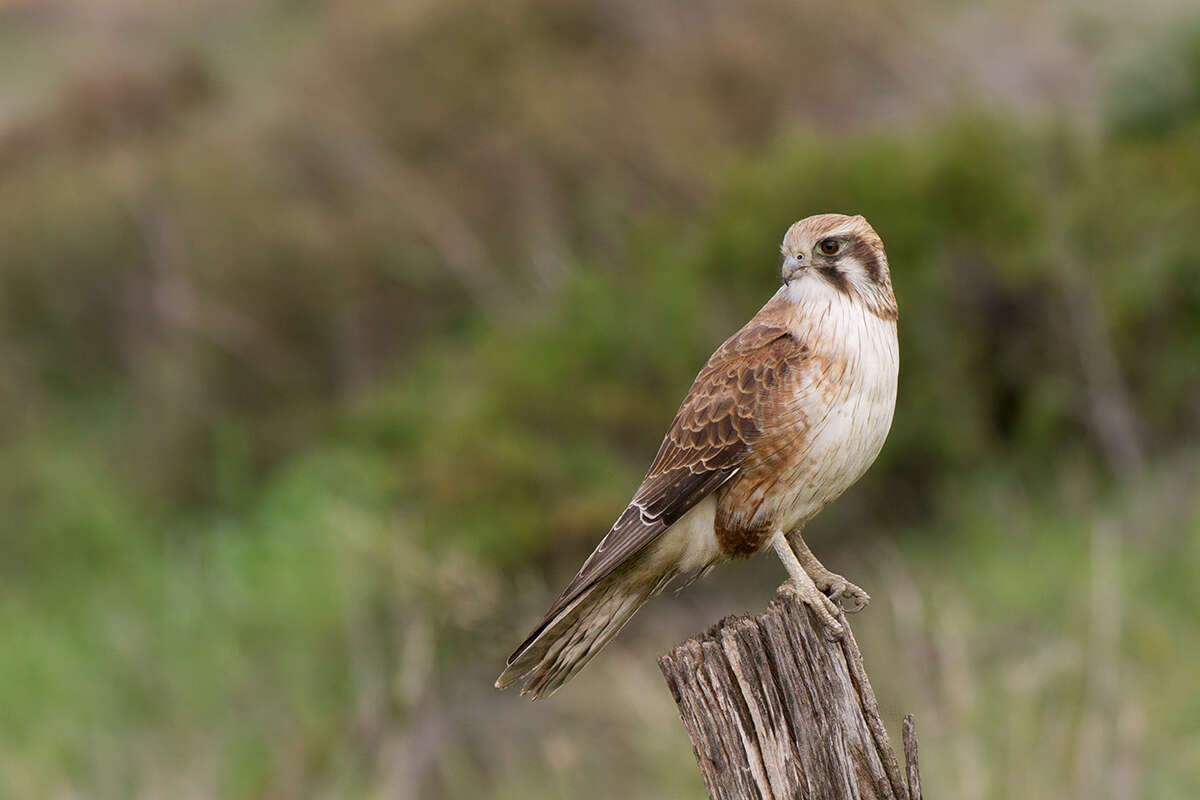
{"x": 705, "y": 446}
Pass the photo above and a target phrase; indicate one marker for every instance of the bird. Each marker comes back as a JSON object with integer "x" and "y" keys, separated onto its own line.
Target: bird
{"x": 788, "y": 413}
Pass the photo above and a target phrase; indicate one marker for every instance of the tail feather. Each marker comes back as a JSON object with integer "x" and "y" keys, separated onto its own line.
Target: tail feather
{"x": 579, "y": 631}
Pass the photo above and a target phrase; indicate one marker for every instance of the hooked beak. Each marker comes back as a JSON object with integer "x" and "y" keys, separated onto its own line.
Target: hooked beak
{"x": 792, "y": 266}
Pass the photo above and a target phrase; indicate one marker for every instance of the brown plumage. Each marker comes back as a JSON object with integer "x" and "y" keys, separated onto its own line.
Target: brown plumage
{"x": 786, "y": 414}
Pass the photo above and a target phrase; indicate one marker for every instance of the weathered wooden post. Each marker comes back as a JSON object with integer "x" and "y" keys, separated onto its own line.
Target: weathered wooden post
{"x": 776, "y": 709}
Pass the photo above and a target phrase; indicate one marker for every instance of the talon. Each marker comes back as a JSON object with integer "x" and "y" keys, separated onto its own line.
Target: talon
{"x": 853, "y": 598}
{"x": 860, "y": 601}
{"x": 825, "y": 609}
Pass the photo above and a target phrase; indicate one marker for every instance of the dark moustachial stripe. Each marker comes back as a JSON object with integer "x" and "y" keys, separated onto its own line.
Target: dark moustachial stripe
{"x": 836, "y": 278}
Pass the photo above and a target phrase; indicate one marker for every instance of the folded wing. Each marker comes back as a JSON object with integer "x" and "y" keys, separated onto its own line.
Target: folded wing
{"x": 713, "y": 430}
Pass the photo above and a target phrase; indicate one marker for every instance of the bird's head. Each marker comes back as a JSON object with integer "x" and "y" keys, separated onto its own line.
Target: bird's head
{"x": 834, "y": 252}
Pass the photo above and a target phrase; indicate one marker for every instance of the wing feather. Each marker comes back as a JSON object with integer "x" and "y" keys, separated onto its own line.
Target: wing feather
{"x": 713, "y": 430}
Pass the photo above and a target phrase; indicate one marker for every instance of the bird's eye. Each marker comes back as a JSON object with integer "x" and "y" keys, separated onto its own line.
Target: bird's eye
{"x": 829, "y": 247}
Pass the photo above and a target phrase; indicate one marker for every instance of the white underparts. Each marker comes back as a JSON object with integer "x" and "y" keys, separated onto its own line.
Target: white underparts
{"x": 691, "y": 543}
{"x": 846, "y": 426}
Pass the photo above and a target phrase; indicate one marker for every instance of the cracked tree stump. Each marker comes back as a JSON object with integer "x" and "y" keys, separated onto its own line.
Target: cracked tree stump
{"x": 775, "y": 709}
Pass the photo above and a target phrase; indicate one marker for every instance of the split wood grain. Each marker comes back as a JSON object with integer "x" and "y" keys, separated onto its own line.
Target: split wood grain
{"x": 777, "y": 709}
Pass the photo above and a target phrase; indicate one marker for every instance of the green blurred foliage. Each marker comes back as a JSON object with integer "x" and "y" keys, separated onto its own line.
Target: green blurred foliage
{"x": 306, "y": 406}
{"x": 1158, "y": 91}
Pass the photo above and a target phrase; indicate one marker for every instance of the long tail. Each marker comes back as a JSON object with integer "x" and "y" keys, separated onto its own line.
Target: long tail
{"x": 578, "y": 632}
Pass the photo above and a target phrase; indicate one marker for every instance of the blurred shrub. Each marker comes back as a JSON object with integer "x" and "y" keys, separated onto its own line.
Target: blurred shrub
{"x": 425, "y": 191}
{"x": 1159, "y": 89}
{"x": 230, "y": 304}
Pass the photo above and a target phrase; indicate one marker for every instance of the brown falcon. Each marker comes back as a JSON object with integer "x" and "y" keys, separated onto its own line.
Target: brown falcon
{"x": 784, "y": 417}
